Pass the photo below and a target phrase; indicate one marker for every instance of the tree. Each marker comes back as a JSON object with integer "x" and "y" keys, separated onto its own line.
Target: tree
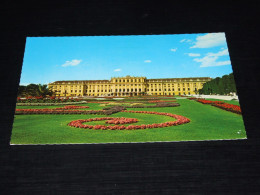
{"x": 34, "y": 90}
{"x": 223, "y": 86}
{"x": 43, "y": 90}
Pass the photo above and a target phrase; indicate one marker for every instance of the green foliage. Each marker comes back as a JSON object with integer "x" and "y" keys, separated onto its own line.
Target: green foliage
{"x": 34, "y": 90}
{"x": 222, "y": 86}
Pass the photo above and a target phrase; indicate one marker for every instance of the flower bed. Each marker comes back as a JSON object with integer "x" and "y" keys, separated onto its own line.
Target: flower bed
{"x": 73, "y": 107}
{"x": 180, "y": 120}
{"x": 158, "y": 101}
{"x": 229, "y": 107}
{"x": 222, "y": 105}
{"x": 58, "y": 111}
{"x": 49, "y": 104}
{"x": 122, "y": 120}
{"x": 192, "y": 98}
{"x": 158, "y": 104}
{"x": 40, "y": 99}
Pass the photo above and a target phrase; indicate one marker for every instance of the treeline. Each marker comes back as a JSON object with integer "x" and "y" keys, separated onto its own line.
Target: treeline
{"x": 222, "y": 86}
{"x": 34, "y": 90}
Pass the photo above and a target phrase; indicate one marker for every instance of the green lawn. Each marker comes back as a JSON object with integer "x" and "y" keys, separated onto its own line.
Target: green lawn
{"x": 207, "y": 123}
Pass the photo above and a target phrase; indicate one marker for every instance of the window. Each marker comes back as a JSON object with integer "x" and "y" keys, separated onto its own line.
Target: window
{"x": 188, "y": 89}
{"x": 79, "y": 90}
{"x": 169, "y": 89}
{"x": 155, "y": 90}
{"x": 179, "y": 89}
{"x": 183, "y": 89}
{"x": 172, "y": 89}
{"x": 139, "y": 90}
{"x": 135, "y": 90}
{"x": 75, "y": 90}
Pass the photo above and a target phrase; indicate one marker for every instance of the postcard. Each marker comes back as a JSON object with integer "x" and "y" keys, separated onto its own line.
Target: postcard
{"x": 127, "y": 89}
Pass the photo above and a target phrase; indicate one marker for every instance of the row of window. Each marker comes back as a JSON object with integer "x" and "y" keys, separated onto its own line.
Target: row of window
{"x": 151, "y": 85}
{"x": 184, "y": 89}
{"x": 128, "y": 80}
{"x": 127, "y": 90}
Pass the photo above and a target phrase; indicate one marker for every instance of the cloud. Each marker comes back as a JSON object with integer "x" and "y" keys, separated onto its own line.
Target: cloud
{"x": 211, "y": 59}
{"x": 71, "y": 63}
{"x": 185, "y": 40}
{"x": 117, "y": 70}
{"x": 173, "y": 49}
{"x": 193, "y": 54}
{"x": 210, "y": 40}
{"x": 220, "y": 53}
{"x": 148, "y": 61}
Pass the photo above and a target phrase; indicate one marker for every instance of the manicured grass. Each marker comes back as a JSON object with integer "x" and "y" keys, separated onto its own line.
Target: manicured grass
{"x": 207, "y": 123}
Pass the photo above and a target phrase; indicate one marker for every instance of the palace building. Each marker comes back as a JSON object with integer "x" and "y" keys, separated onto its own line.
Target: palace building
{"x": 129, "y": 86}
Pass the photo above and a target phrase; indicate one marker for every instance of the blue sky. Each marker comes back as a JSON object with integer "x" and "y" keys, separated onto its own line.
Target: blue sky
{"x": 49, "y": 59}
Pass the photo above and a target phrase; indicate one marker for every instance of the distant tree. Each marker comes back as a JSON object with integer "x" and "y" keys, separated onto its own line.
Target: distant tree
{"x": 223, "y": 86}
{"x": 43, "y": 90}
{"x": 34, "y": 90}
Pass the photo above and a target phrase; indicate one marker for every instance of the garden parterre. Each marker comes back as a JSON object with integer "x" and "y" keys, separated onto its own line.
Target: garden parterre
{"x": 199, "y": 125}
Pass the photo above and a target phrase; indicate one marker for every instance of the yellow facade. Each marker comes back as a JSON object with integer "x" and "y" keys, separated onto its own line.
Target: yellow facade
{"x": 129, "y": 86}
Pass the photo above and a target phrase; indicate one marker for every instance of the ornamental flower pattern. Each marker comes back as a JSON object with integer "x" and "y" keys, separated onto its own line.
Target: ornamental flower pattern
{"x": 180, "y": 120}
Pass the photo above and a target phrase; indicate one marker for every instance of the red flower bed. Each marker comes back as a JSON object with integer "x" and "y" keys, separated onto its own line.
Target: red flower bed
{"x": 180, "y": 120}
{"x": 204, "y": 101}
{"x": 229, "y": 107}
{"x": 72, "y": 107}
{"x": 222, "y": 105}
{"x": 98, "y": 102}
{"x": 192, "y": 98}
{"x": 158, "y": 101}
{"x": 51, "y": 109}
{"x": 122, "y": 120}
